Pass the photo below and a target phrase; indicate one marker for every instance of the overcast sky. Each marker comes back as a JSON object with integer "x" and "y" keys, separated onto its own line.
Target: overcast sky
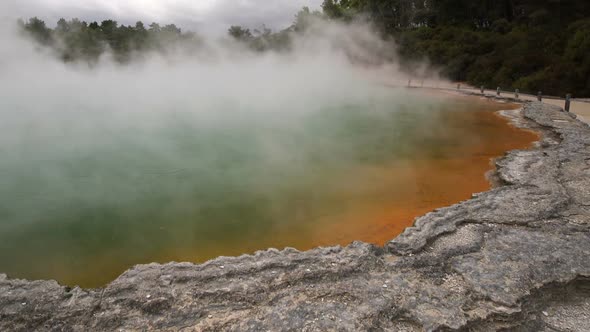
{"x": 205, "y": 16}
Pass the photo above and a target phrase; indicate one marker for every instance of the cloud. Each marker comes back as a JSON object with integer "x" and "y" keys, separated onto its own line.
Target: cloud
{"x": 206, "y": 16}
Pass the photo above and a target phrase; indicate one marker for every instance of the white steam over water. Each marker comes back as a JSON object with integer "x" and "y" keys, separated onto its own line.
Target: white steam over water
{"x": 221, "y": 84}
{"x": 318, "y": 71}
{"x": 216, "y": 152}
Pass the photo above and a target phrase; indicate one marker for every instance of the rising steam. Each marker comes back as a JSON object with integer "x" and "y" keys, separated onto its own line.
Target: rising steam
{"x": 191, "y": 151}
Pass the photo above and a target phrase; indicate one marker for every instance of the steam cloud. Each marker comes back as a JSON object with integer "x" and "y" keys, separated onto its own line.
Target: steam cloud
{"x": 223, "y": 82}
{"x": 111, "y": 152}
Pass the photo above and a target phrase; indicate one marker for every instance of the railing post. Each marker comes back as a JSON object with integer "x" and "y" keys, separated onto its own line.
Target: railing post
{"x": 409, "y": 83}
{"x": 516, "y": 92}
{"x": 498, "y": 91}
{"x": 540, "y": 96}
{"x": 482, "y": 89}
{"x": 568, "y": 100}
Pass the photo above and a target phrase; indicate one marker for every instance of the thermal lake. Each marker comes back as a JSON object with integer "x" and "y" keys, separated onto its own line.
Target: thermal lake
{"x": 86, "y": 195}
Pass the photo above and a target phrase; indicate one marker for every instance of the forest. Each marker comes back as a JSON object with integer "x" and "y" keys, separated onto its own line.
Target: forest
{"x": 529, "y": 45}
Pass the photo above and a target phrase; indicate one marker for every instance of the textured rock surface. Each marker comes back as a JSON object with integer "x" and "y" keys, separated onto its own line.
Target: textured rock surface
{"x": 514, "y": 258}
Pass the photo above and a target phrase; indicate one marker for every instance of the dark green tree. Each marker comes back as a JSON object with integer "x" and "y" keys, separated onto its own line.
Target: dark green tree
{"x": 239, "y": 33}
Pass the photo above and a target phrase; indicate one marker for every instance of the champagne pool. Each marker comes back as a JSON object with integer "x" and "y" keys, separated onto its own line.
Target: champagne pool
{"x": 86, "y": 195}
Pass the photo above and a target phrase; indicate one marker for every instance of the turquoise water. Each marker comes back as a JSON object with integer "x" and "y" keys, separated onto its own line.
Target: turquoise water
{"x": 85, "y": 194}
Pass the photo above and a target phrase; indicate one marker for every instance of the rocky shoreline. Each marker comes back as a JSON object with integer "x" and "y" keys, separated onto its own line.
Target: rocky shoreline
{"x": 514, "y": 258}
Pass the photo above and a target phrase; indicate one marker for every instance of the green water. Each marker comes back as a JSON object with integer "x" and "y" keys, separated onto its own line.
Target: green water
{"x": 86, "y": 194}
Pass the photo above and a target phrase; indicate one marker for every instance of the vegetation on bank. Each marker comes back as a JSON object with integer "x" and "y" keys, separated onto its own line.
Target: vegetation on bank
{"x": 526, "y": 44}
{"x": 531, "y": 45}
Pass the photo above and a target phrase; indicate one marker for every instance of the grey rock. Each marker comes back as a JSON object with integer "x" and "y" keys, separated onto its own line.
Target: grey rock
{"x": 513, "y": 258}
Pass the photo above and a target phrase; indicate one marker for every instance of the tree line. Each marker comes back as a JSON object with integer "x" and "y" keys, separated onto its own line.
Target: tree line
{"x": 532, "y": 45}
{"x": 76, "y": 40}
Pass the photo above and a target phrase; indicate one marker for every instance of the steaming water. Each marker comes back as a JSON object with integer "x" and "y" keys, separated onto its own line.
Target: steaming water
{"x": 83, "y": 199}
